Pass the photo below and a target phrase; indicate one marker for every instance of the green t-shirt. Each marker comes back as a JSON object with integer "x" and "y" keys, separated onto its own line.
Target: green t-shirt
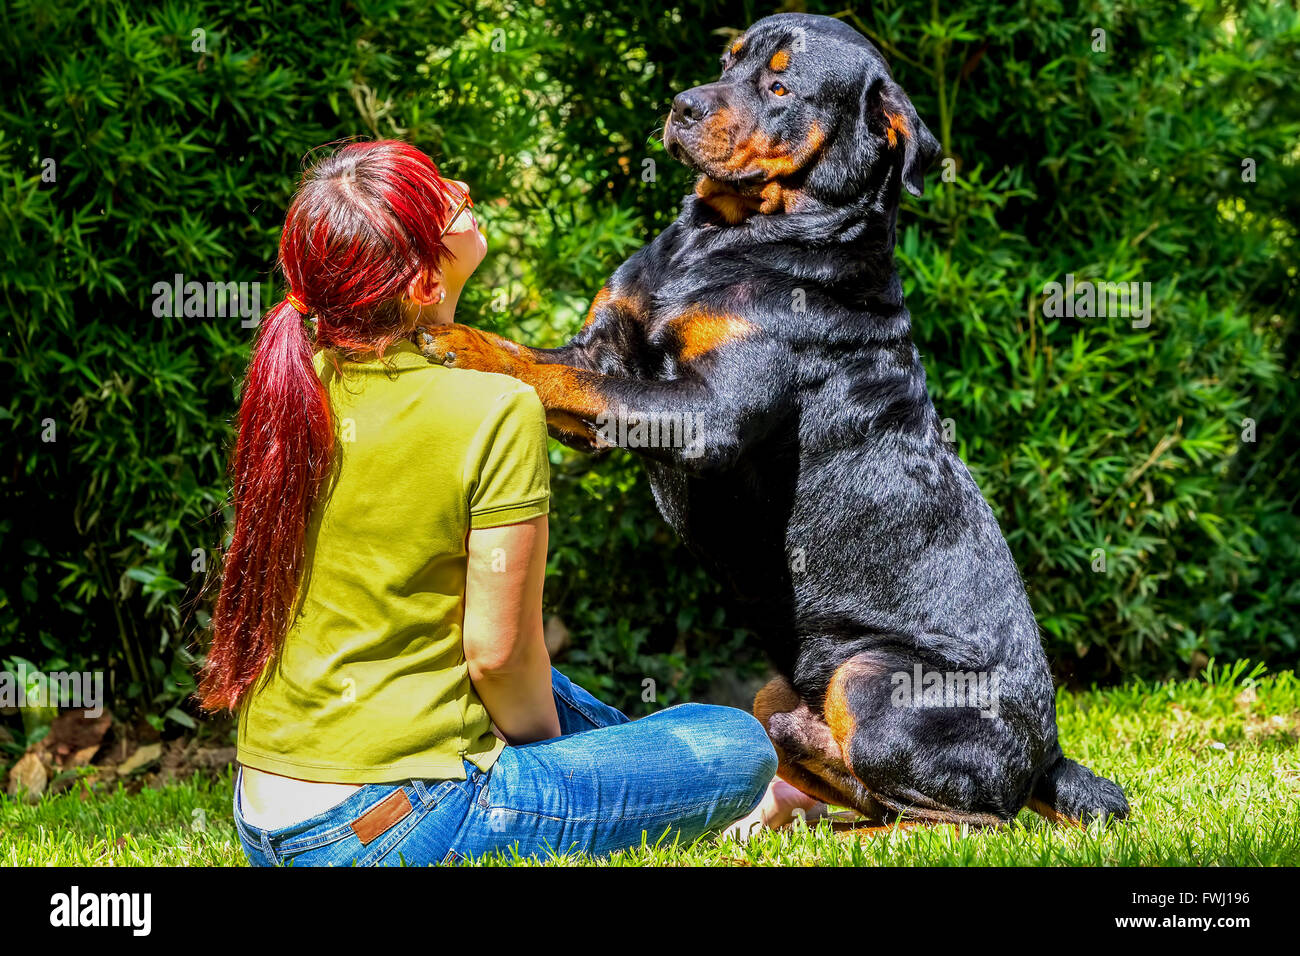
{"x": 372, "y": 685}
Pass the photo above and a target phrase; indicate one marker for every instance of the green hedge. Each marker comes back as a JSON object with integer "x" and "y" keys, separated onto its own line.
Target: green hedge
{"x": 175, "y": 152}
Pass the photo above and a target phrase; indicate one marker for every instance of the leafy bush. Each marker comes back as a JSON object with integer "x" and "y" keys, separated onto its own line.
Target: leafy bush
{"x": 1098, "y": 441}
{"x": 175, "y": 152}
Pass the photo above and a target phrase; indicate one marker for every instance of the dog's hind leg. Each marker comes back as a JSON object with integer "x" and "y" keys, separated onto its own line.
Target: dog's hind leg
{"x": 809, "y": 758}
{"x": 942, "y": 763}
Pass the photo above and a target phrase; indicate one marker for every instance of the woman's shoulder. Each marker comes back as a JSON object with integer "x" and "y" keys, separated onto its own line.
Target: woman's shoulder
{"x": 486, "y": 407}
{"x": 487, "y": 391}
{"x": 473, "y": 393}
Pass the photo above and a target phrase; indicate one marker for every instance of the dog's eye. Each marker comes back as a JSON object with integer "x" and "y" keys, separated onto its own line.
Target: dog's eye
{"x": 778, "y": 88}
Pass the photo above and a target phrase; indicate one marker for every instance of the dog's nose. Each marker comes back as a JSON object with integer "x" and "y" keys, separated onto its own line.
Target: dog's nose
{"x": 689, "y": 107}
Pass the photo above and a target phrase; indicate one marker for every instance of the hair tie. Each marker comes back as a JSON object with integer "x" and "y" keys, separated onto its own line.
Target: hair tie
{"x": 297, "y": 303}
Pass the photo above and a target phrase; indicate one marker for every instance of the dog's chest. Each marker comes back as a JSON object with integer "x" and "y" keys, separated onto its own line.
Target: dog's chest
{"x": 684, "y": 293}
{"x": 733, "y": 520}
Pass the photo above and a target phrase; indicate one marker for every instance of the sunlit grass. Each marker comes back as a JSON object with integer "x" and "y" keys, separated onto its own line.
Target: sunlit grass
{"x": 1212, "y": 771}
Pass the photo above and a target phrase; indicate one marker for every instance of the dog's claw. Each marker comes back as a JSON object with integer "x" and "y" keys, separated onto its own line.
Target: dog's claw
{"x": 427, "y": 343}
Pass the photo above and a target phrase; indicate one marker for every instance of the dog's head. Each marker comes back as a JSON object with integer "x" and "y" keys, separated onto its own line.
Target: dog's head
{"x": 805, "y": 105}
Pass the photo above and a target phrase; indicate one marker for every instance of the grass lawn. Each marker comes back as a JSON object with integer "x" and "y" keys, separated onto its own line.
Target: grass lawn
{"x": 1212, "y": 772}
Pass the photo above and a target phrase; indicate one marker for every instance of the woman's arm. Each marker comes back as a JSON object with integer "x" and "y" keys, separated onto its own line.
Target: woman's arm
{"x": 508, "y": 663}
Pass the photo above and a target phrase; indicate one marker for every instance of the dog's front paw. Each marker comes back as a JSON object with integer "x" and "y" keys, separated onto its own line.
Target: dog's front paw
{"x": 459, "y": 346}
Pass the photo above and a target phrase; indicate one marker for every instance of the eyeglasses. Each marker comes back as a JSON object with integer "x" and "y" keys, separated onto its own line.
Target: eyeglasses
{"x": 465, "y": 203}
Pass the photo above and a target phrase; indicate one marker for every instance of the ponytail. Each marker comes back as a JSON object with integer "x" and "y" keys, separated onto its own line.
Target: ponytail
{"x": 364, "y": 222}
{"x": 282, "y": 457}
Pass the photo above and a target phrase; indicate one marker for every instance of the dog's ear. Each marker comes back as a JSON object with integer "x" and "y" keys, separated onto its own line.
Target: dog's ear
{"x": 889, "y": 113}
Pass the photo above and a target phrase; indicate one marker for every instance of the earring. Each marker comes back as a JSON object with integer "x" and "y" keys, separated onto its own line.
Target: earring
{"x": 442, "y": 296}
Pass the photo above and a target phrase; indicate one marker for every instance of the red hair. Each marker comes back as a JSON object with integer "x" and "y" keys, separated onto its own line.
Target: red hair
{"x": 364, "y": 222}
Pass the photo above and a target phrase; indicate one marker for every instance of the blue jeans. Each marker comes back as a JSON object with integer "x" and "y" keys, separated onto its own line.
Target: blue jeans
{"x": 597, "y": 788}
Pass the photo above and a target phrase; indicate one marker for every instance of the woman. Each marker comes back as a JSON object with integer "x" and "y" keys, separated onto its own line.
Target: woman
{"x": 380, "y": 612}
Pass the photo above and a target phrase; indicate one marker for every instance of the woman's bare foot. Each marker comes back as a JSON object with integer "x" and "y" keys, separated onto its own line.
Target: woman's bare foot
{"x": 779, "y": 806}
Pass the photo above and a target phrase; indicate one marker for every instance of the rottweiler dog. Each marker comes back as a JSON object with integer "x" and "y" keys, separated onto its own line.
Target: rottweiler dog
{"x": 758, "y": 356}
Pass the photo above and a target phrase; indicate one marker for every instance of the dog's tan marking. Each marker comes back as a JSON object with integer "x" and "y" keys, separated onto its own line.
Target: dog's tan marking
{"x": 836, "y": 709}
{"x": 701, "y": 331}
{"x": 724, "y": 200}
{"x": 808, "y": 758}
{"x": 599, "y": 302}
{"x": 777, "y": 696}
{"x": 565, "y": 425}
{"x": 897, "y": 127}
{"x": 759, "y": 152}
{"x": 1052, "y": 814}
{"x": 564, "y": 389}
{"x": 561, "y": 388}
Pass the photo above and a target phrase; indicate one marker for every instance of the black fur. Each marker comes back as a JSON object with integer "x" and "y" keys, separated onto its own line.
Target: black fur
{"x": 825, "y": 496}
